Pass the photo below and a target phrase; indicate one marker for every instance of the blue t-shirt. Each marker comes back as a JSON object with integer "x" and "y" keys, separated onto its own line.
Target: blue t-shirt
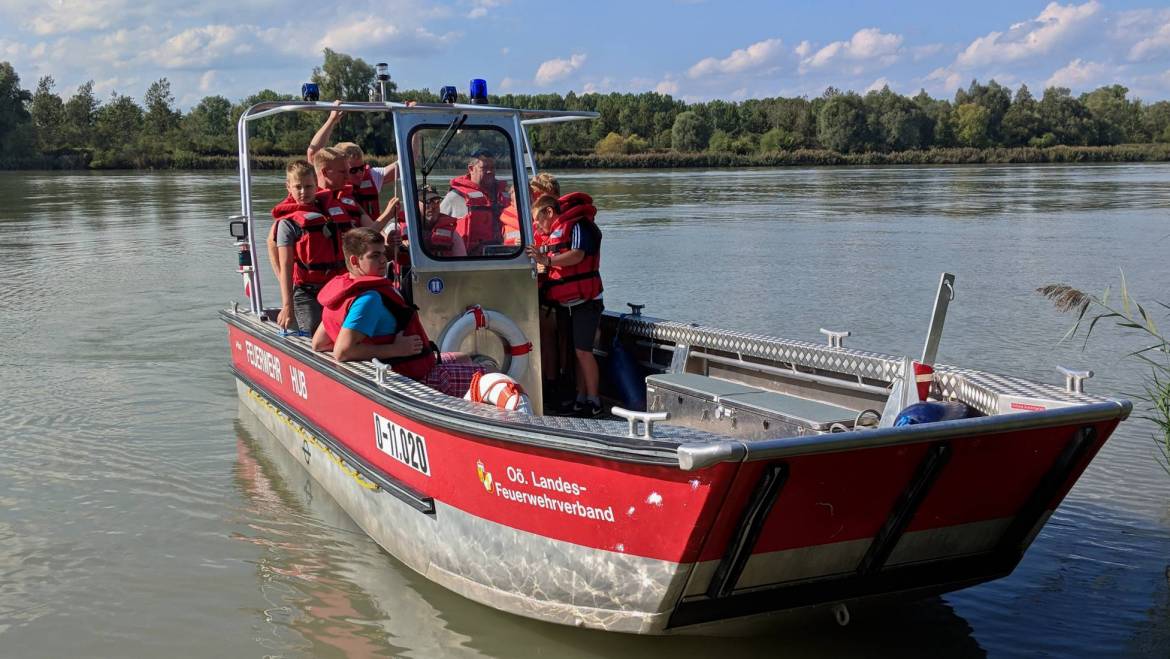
{"x": 584, "y": 240}
{"x": 369, "y": 316}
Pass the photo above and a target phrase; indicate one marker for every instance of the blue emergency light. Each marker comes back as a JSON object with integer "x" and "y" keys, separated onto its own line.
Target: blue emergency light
{"x": 478, "y": 92}
{"x": 448, "y": 94}
{"x": 309, "y": 92}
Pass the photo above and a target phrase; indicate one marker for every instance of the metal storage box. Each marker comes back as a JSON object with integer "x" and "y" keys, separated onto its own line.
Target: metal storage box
{"x": 739, "y": 410}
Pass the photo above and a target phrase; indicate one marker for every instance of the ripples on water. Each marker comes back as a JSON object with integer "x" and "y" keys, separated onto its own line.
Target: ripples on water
{"x": 142, "y": 515}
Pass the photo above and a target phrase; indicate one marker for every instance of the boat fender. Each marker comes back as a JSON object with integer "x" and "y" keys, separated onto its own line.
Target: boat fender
{"x": 626, "y": 375}
{"x": 932, "y": 412}
{"x": 477, "y": 318}
{"x": 499, "y": 390}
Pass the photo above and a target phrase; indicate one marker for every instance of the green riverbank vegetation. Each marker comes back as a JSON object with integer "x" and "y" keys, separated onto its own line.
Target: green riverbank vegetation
{"x": 984, "y": 123}
{"x": 1128, "y": 315}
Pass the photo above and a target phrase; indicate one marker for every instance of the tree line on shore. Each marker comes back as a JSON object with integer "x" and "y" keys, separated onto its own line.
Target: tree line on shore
{"x": 983, "y": 123}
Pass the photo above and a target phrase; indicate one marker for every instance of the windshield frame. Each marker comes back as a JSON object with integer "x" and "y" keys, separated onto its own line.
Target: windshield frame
{"x": 416, "y": 228}
{"x": 406, "y": 123}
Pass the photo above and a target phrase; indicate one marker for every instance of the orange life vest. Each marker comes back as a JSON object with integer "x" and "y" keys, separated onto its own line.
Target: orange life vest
{"x": 337, "y": 297}
{"x": 510, "y": 224}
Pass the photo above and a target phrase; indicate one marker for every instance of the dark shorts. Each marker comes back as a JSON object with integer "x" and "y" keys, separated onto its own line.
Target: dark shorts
{"x": 582, "y": 320}
{"x": 306, "y": 307}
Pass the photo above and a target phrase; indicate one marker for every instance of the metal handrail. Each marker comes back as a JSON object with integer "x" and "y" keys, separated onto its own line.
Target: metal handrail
{"x": 528, "y": 117}
{"x": 698, "y": 457}
{"x": 791, "y": 373}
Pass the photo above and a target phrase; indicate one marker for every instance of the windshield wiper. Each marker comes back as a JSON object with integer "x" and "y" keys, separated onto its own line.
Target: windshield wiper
{"x": 453, "y": 128}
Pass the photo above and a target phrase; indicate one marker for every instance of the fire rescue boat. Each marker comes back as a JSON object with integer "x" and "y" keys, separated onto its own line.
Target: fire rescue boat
{"x": 766, "y": 475}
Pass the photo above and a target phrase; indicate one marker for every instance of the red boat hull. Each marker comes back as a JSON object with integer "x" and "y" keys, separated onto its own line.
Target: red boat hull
{"x": 639, "y": 544}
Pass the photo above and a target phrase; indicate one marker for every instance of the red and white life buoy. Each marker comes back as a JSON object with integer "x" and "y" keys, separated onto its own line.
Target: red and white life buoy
{"x": 499, "y": 390}
{"x": 476, "y": 318}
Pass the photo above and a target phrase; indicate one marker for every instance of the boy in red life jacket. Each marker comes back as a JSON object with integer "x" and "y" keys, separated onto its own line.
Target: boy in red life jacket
{"x": 365, "y": 317}
{"x": 570, "y": 250}
{"x": 477, "y": 199}
{"x": 305, "y": 245}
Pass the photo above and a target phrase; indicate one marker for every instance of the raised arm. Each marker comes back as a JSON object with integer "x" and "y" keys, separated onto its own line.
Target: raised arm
{"x": 324, "y": 133}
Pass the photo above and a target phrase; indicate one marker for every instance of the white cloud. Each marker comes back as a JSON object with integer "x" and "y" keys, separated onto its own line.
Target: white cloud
{"x": 121, "y": 48}
{"x": 106, "y": 86}
{"x": 1077, "y": 74}
{"x": 667, "y": 86}
{"x": 66, "y": 16}
{"x": 762, "y": 55}
{"x": 606, "y": 84}
{"x": 1154, "y": 44}
{"x": 925, "y": 52}
{"x": 480, "y": 8}
{"x": 555, "y": 70}
{"x": 10, "y": 50}
{"x": 1058, "y": 25}
{"x": 200, "y": 47}
{"x": 507, "y": 85}
{"x": 803, "y": 49}
{"x": 948, "y": 80}
{"x": 387, "y": 39}
{"x": 877, "y": 85}
{"x": 867, "y": 47}
{"x": 207, "y": 81}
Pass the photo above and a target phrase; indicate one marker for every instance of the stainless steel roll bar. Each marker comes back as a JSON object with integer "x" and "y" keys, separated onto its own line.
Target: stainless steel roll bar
{"x": 271, "y": 108}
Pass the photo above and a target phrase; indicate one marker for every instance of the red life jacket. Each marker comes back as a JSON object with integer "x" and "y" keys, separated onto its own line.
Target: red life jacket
{"x": 344, "y": 197}
{"x": 510, "y": 225}
{"x": 317, "y": 253}
{"x": 481, "y": 225}
{"x": 573, "y": 283}
{"x": 366, "y": 194}
{"x": 442, "y": 235}
{"x": 337, "y": 297}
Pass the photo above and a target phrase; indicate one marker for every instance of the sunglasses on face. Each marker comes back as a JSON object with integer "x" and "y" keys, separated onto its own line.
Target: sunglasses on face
{"x": 355, "y": 170}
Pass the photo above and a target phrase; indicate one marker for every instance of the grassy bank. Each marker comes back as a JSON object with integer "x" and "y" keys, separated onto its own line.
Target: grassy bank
{"x": 668, "y": 159}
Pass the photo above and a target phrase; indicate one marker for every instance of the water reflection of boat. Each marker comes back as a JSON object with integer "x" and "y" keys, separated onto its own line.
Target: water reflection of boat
{"x": 762, "y": 492}
{"x": 337, "y": 574}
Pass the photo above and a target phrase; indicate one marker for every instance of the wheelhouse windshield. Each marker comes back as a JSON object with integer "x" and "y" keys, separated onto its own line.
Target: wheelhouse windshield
{"x": 463, "y": 182}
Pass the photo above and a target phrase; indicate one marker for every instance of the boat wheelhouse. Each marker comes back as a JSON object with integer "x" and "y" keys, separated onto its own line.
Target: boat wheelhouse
{"x": 757, "y": 481}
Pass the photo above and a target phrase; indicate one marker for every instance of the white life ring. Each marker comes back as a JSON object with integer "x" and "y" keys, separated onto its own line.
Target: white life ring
{"x": 517, "y": 345}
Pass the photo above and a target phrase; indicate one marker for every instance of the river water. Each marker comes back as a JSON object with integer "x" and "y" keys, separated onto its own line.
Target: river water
{"x": 143, "y": 514}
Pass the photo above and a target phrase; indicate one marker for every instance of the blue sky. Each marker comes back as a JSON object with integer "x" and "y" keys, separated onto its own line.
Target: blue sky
{"x": 692, "y": 49}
